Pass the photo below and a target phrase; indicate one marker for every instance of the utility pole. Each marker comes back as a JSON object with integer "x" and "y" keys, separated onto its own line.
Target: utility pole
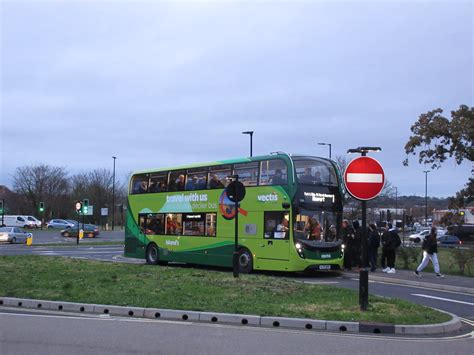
{"x": 113, "y": 196}
{"x": 426, "y": 197}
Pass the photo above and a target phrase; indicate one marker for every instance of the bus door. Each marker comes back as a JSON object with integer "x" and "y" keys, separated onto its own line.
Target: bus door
{"x": 274, "y": 246}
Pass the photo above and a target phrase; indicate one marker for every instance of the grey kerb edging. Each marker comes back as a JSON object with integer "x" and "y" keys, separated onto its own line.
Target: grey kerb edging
{"x": 236, "y": 319}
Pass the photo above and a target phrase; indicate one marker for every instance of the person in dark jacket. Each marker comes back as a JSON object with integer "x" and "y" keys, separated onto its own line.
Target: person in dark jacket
{"x": 356, "y": 244}
{"x": 374, "y": 243}
{"x": 430, "y": 252}
{"x": 347, "y": 238}
{"x": 390, "y": 242}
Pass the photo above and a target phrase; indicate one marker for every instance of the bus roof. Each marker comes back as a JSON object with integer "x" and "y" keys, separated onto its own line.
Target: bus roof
{"x": 280, "y": 155}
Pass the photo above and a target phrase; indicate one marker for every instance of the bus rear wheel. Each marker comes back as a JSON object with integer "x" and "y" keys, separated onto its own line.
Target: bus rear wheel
{"x": 152, "y": 254}
{"x": 245, "y": 261}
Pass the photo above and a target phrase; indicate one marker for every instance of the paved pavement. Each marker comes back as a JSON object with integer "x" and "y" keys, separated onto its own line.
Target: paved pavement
{"x": 48, "y": 333}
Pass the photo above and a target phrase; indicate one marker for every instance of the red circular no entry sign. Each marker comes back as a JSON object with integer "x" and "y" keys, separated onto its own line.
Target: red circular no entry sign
{"x": 364, "y": 178}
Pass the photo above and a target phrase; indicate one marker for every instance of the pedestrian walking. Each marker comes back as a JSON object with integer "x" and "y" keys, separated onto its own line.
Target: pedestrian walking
{"x": 430, "y": 252}
{"x": 374, "y": 243}
{"x": 390, "y": 242}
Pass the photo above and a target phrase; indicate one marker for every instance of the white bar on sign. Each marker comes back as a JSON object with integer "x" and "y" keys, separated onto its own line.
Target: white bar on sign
{"x": 373, "y": 178}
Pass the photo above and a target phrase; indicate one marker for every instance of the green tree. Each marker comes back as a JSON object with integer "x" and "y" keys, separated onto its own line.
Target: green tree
{"x": 436, "y": 138}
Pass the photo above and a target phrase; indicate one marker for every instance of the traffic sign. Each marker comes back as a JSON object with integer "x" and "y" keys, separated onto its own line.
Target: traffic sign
{"x": 364, "y": 178}
{"x": 235, "y": 191}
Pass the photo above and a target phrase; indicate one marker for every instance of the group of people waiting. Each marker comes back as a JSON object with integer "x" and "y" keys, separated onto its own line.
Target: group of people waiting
{"x": 389, "y": 240}
{"x": 352, "y": 239}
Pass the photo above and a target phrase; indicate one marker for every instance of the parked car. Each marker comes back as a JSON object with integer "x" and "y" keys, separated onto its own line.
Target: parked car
{"x": 13, "y": 235}
{"x": 90, "y": 231}
{"x": 419, "y": 237}
{"x": 60, "y": 224}
{"x": 33, "y": 222}
{"x": 73, "y": 222}
{"x": 15, "y": 221}
{"x": 450, "y": 241}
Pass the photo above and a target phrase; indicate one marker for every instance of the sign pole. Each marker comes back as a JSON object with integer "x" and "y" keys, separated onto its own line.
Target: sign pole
{"x": 78, "y": 206}
{"x": 235, "y": 257}
{"x": 364, "y": 179}
{"x": 236, "y": 193}
{"x": 2, "y": 202}
{"x": 364, "y": 271}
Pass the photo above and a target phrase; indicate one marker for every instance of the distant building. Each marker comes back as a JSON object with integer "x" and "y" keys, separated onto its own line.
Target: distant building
{"x": 468, "y": 214}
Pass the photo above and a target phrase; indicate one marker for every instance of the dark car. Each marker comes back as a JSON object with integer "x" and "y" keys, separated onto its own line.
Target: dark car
{"x": 449, "y": 241}
{"x": 90, "y": 231}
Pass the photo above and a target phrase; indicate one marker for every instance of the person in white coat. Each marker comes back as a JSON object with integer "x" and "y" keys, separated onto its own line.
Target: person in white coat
{"x": 430, "y": 252}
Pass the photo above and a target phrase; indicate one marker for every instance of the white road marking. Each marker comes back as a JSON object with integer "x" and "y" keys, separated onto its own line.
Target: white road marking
{"x": 420, "y": 287}
{"x": 368, "y": 178}
{"x": 442, "y": 299}
{"x": 320, "y": 282}
{"x": 468, "y": 321}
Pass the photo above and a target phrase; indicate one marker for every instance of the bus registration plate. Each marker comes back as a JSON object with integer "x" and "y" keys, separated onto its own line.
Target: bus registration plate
{"x": 324, "y": 267}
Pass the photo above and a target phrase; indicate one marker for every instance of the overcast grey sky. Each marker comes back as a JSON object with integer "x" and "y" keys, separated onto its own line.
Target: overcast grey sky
{"x": 166, "y": 83}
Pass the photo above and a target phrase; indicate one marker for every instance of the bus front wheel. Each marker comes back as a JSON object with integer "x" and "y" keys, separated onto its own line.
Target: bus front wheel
{"x": 245, "y": 261}
{"x": 152, "y": 254}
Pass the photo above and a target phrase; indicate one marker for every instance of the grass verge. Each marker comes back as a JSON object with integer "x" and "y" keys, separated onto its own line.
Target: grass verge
{"x": 176, "y": 287}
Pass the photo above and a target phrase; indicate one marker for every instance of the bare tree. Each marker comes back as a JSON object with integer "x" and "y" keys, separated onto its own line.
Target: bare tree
{"x": 42, "y": 183}
{"x": 97, "y": 187}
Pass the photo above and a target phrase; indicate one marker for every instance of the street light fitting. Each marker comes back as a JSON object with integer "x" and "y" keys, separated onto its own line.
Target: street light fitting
{"x": 364, "y": 150}
{"x": 250, "y": 133}
{"x": 329, "y": 145}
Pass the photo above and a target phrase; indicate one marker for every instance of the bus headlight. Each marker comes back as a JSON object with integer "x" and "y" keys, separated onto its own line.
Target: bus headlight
{"x": 299, "y": 249}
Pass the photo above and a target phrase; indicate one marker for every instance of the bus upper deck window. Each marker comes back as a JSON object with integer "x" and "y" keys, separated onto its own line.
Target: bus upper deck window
{"x": 273, "y": 172}
{"x": 140, "y": 184}
{"x": 218, "y": 177}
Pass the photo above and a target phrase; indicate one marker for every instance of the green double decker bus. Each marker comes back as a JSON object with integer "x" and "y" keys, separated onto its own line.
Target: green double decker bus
{"x": 289, "y": 220}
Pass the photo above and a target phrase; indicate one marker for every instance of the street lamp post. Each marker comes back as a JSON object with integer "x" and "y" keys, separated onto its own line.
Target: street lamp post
{"x": 426, "y": 196}
{"x": 396, "y": 204}
{"x": 113, "y": 196}
{"x": 328, "y": 144}
{"x": 364, "y": 271}
{"x": 250, "y": 133}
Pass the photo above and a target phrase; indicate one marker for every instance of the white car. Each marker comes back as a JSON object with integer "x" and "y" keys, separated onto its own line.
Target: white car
{"x": 13, "y": 235}
{"x": 15, "y": 221}
{"x": 419, "y": 237}
{"x": 33, "y": 222}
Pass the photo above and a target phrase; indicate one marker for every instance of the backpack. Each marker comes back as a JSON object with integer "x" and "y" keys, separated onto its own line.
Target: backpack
{"x": 398, "y": 241}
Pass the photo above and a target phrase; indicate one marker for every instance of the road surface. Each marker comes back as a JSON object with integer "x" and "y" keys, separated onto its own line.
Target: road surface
{"x": 48, "y": 333}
